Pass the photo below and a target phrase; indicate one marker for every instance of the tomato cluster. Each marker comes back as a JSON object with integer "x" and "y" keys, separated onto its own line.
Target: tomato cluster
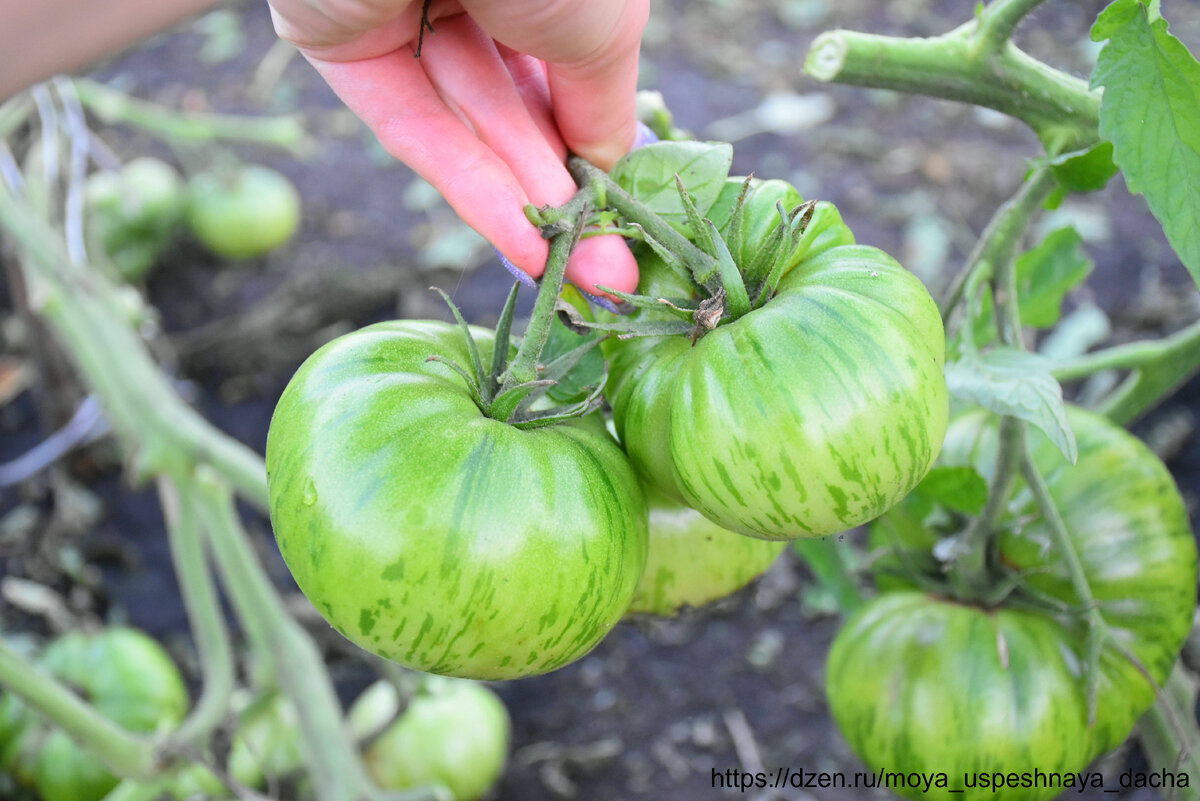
{"x": 432, "y": 533}
{"x": 922, "y": 683}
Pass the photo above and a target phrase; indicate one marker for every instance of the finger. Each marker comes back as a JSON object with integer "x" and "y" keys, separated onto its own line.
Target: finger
{"x": 353, "y": 31}
{"x": 469, "y": 72}
{"x": 393, "y": 96}
{"x": 595, "y": 98}
{"x": 603, "y": 261}
{"x": 591, "y": 47}
{"x": 465, "y": 67}
{"x": 529, "y": 76}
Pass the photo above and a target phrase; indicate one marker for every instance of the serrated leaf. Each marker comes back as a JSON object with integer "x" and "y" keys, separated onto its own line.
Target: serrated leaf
{"x": 1047, "y": 273}
{"x": 648, "y": 174}
{"x": 1081, "y": 171}
{"x": 1015, "y": 383}
{"x": 959, "y": 488}
{"x": 1151, "y": 114}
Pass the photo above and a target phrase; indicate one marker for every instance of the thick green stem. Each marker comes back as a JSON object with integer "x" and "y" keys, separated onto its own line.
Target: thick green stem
{"x": 634, "y": 211}
{"x": 113, "y": 106}
{"x": 826, "y": 558}
{"x": 164, "y": 434}
{"x": 125, "y": 754}
{"x": 996, "y": 250}
{"x": 204, "y": 615}
{"x": 999, "y": 248}
{"x": 1159, "y": 367}
{"x": 960, "y": 65}
{"x": 999, "y": 20}
{"x": 336, "y": 771}
{"x": 970, "y": 573}
{"x": 524, "y": 366}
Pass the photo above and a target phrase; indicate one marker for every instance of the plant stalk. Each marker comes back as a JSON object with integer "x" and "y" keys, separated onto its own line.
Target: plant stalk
{"x": 960, "y": 65}
{"x": 204, "y": 616}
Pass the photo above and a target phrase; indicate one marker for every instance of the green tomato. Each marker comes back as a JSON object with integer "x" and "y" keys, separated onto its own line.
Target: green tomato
{"x": 134, "y": 213}
{"x": 454, "y": 733}
{"x": 244, "y": 214}
{"x": 808, "y": 416}
{"x": 897, "y": 678}
{"x": 437, "y": 537}
{"x": 693, "y": 561}
{"x": 126, "y": 676}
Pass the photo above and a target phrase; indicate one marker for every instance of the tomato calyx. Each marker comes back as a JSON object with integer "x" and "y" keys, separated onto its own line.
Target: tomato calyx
{"x": 514, "y": 389}
{"x": 724, "y": 288}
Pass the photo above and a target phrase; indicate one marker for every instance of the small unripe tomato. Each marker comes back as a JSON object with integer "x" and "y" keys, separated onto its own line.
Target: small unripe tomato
{"x": 454, "y": 733}
{"x": 243, "y": 213}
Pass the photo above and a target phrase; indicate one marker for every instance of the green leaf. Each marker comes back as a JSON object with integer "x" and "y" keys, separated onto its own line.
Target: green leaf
{"x": 1015, "y": 383}
{"x": 959, "y": 488}
{"x": 1151, "y": 114}
{"x": 1080, "y": 171}
{"x": 1047, "y": 273}
{"x": 648, "y": 174}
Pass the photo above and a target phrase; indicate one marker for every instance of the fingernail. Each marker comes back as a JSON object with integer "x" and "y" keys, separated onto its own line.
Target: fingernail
{"x": 525, "y": 278}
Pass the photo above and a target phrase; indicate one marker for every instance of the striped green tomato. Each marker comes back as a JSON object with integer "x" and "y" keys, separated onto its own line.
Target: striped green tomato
{"x": 918, "y": 683}
{"x": 805, "y": 417}
{"x": 692, "y": 561}
{"x": 438, "y": 537}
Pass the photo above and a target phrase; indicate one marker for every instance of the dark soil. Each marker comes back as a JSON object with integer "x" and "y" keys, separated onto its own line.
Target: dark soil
{"x": 660, "y": 706}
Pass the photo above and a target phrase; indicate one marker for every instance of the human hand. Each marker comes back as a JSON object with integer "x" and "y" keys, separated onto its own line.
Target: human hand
{"x": 501, "y": 91}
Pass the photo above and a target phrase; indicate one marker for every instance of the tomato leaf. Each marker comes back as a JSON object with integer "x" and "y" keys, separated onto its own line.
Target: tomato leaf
{"x": 648, "y": 174}
{"x": 1047, "y": 272}
{"x": 1015, "y": 383}
{"x": 1151, "y": 114}
{"x": 959, "y": 488}
{"x": 1080, "y": 171}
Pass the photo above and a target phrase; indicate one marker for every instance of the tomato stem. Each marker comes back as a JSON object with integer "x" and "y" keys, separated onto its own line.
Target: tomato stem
{"x": 207, "y": 621}
{"x": 696, "y": 260}
{"x": 524, "y": 367}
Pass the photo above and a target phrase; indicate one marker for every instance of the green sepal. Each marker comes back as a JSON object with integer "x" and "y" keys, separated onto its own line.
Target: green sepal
{"x": 737, "y": 301}
{"x": 507, "y": 402}
{"x": 801, "y": 216}
{"x": 768, "y": 255}
{"x": 673, "y": 262}
{"x": 481, "y": 379}
{"x": 737, "y": 219}
{"x": 700, "y": 233}
{"x": 503, "y": 338}
{"x": 466, "y": 376}
{"x": 642, "y": 328}
{"x": 683, "y": 308}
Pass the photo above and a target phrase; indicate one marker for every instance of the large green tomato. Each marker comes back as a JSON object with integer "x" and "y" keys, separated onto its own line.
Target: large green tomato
{"x": 126, "y": 676}
{"x": 923, "y": 684}
{"x": 454, "y": 733}
{"x": 805, "y": 417}
{"x": 245, "y": 213}
{"x": 435, "y": 536}
{"x": 693, "y": 561}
